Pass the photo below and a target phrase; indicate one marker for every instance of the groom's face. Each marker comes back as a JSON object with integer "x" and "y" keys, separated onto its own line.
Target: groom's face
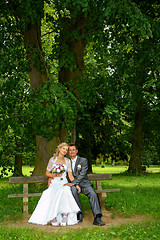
{"x": 72, "y": 151}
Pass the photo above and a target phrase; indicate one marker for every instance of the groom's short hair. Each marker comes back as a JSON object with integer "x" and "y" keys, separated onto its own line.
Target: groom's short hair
{"x": 72, "y": 144}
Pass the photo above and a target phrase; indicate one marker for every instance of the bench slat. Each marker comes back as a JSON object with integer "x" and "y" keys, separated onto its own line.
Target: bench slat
{"x": 99, "y": 176}
{"x": 25, "y": 195}
{"x": 39, "y": 194}
{"x": 107, "y": 190}
{"x": 40, "y": 179}
{"x": 34, "y": 179}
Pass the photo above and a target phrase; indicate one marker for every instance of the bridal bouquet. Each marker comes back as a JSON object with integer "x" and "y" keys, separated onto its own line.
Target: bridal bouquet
{"x": 58, "y": 169}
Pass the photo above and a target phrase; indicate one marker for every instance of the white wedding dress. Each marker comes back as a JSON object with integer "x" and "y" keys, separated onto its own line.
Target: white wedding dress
{"x": 56, "y": 200}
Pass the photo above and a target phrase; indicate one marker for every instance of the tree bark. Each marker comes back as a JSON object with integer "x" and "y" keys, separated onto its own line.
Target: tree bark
{"x": 18, "y": 166}
{"x": 135, "y": 163}
{"x": 32, "y": 43}
{"x": 45, "y": 150}
{"x": 89, "y": 158}
{"x": 18, "y": 160}
{"x": 73, "y": 135}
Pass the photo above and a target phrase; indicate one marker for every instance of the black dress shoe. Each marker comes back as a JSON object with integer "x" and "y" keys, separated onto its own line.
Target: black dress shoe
{"x": 98, "y": 222}
{"x": 80, "y": 217}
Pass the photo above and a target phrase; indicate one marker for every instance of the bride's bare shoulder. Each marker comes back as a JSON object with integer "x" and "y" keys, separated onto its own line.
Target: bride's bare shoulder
{"x": 67, "y": 160}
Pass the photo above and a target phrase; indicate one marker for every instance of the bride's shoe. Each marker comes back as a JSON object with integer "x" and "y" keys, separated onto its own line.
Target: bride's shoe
{"x": 64, "y": 220}
{"x": 54, "y": 222}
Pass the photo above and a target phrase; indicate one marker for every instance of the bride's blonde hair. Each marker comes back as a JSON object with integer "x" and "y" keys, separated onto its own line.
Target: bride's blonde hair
{"x": 58, "y": 148}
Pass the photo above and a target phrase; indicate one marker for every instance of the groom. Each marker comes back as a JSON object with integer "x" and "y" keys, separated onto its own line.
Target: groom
{"x": 79, "y": 169}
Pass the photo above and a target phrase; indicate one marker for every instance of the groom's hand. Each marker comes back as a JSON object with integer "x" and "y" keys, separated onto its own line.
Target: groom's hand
{"x": 78, "y": 188}
{"x": 71, "y": 185}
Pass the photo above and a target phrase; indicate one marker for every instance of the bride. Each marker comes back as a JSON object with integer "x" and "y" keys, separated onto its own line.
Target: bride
{"x": 57, "y": 204}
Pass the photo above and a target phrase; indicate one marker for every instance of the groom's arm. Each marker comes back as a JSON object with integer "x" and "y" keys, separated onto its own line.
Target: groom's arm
{"x": 82, "y": 173}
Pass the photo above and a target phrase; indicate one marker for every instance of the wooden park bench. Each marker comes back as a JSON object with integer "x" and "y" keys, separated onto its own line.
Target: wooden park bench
{"x": 43, "y": 179}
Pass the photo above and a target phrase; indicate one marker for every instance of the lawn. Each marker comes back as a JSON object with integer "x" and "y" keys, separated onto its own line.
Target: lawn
{"x": 27, "y": 170}
{"x": 139, "y": 195}
{"x": 120, "y": 169}
{"x": 146, "y": 231}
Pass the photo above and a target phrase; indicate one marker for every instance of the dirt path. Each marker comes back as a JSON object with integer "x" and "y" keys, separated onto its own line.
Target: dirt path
{"x": 87, "y": 222}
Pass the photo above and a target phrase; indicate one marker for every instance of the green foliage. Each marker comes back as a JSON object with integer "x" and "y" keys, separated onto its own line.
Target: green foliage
{"x": 51, "y": 108}
{"x": 121, "y": 67}
{"x": 23, "y": 12}
{"x": 103, "y": 123}
{"x": 119, "y": 71}
{"x": 17, "y": 136}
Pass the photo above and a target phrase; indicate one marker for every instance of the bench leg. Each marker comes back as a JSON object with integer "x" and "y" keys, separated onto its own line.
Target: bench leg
{"x": 25, "y": 199}
{"x": 102, "y": 197}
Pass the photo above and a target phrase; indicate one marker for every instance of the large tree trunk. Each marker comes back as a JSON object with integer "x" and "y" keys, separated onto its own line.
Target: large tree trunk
{"x": 135, "y": 163}
{"x": 18, "y": 166}
{"x": 45, "y": 148}
{"x": 77, "y": 48}
{"x": 70, "y": 78}
{"x": 32, "y": 42}
{"x": 89, "y": 158}
{"x": 18, "y": 160}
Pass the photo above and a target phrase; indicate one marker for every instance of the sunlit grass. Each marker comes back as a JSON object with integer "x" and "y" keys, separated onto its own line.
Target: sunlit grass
{"x": 120, "y": 169}
{"x": 27, "y": 170}
{"x": 145, "y": 180}
{"x": 109, "y": 169}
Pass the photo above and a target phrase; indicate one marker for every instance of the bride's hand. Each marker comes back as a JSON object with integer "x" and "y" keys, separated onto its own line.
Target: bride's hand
{"x": 58, "y": 174}
{"x": 78, "y": 188}
{"x": 68, "y": 184}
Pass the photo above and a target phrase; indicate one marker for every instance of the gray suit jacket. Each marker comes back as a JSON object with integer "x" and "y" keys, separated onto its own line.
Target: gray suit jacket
{"x": 81, "y": 175}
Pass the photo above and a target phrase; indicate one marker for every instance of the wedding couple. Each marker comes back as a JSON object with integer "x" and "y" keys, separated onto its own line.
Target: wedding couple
{"x": 60, "y": 203}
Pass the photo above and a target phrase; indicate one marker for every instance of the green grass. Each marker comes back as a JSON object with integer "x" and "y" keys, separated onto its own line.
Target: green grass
{"x": 27, "y": 170}
{"x": 138, "y": 195}
{"x": 120, "y": 169}
{"x": 109, "y": 169}
{"x": 145, "y": 231}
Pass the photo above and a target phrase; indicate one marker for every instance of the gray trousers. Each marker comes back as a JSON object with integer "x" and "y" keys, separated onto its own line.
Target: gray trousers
{"x": 93, "y": 198}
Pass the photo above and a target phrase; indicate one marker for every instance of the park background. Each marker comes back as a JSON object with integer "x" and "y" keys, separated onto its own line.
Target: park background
{"x": 84, "y": 72}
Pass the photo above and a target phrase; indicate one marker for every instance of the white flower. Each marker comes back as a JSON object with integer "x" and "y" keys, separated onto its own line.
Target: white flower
{"x": 62, "y": 168}
{"x": 79, "y": 167}
{"x": 58, "y": 170}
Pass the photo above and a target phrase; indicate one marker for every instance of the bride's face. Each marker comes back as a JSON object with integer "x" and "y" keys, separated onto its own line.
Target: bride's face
{"x": 63, "y": 150}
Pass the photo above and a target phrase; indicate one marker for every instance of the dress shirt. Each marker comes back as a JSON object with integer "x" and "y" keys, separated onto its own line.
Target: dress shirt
{"x": 73, "y": 162}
